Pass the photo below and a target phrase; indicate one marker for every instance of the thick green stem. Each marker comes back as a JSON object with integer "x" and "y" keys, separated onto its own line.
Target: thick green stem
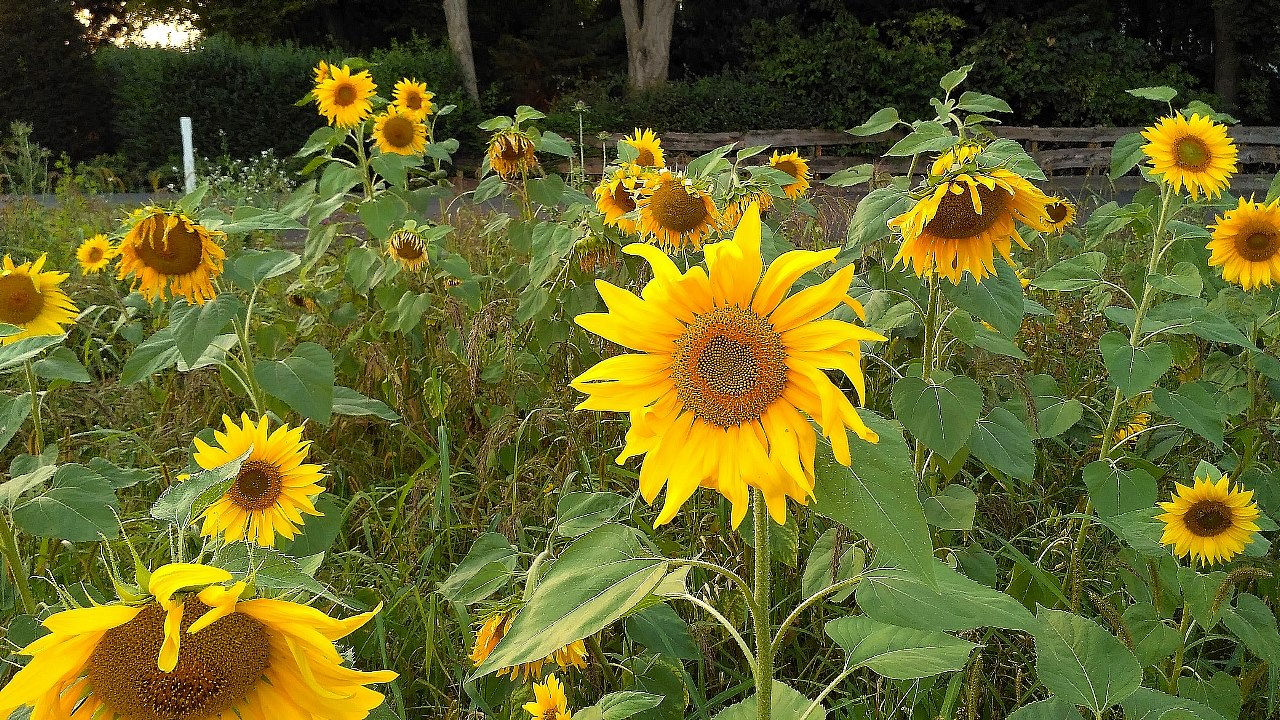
{"x": 363, "y": 157}
{"x": 37, "y": 434}
{"x": 9, "y": 547}
{"x": 762, "y": 601}
{"x": 928, "y": 363}
{"x": 1175, "y": 670}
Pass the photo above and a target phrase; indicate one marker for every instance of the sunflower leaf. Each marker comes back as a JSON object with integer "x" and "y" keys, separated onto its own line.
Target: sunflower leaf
{"x": 1126, "y": 154}
{"x": 1115, "y": 491}
{"x": 1148, "y": 704}
{"x": 870, "y": 220}
{"x": 955, "y": 603}
{"x": 940, "y": 415}
{"x": 1083, "y": 663}
{"x": 195, "y": 326}
{"x": 955, "y": 77}
{"x": 896, "y": 652}
{"x": 62, "y": 364}
{"x": 13, "y": 413}
{"x": 1134, "y": 370}
{"x": 16, "y": 353}
{"x": 998, "y": 299}
{"x": 784, "y": 703}
{"x": 1002, "y": 441}
{"x": 79, "y": 506}
{"x": 1052, "y": 708}
{"x": 1159, "y": 93}
{"x": 1194, "y": 406}
{"x": 883, "y": 119}
{"x": 183, "y": 501}
{"x": 850, "y": 176}
{"x": 928, "y": 136}
{"x": 303, "y": 381}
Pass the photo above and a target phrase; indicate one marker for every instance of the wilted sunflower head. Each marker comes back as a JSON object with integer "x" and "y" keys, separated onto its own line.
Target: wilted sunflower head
{"x": 413, "y": 97}
{"x": 512, "y": 154}
{"x": 397, "y": 131}
{"x": 95, "y": 254}
{"x": 1196, "y": 153}
{"x": 648, "y": 148}
{"x": 795, "y": 166}
{"x": 194, "y": 649}
{"x": 737, "y": 204}
{"x": 594, "y": 252}
{"x": 616, "y": 197}
{"x": 675, "y": 212}
{"x": 408, "y": 248}
{"x": 955, "y": 158}
{"x": 30, "y": 299}
{"x": 1246, "y": 243}
{"x": 344, "y": 96}
{"x": 1210, "y": 521}
{"x": 168, "y": 253}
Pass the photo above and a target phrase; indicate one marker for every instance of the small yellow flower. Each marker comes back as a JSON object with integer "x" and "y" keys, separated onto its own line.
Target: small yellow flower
{"x": 397, "y": 131}
{"x": 648, "y": 148}
{"x": 616, "y": 197}
{"x": 168, "y": 253}
{"x": 1210, "y": 521}
{"x": 512, "y": 154}
{"x": 675, "y": 212}
{"x": 344, "y": 96}
{"x": 408, "y": 248}
{"x": 1196, "y": 153}
{"x": 495, "y": 627}
{"x": 30, "y": 299}
{"x": 550, "y": 702}
{"x": 414, "y": 98}
{"x": 1061, "y": 214}
{"x": 95, "y": 254}
{"x": 1246, "y": 243}
{"x": 795, "y": 166}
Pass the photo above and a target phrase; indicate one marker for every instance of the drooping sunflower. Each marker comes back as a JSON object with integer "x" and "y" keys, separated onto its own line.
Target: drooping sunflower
{"x": 95, "y": 254}
{"x": 512, "y": 154}
{"x": 1210, "y": 521}
{"x": 414, "y": 98}
{"x": 30, "y": 299}
{"x": 736, "y": 207}
{"x": 495, "y": 627}
{"x": 954, "y": 158}
{"x": 616, "y": 197}
{"x": 398, "y": 131}
{"x": 321, "y": 72}
{"x": 1196, "y": 153}
{"x": 344, "y": 96}
{"x": 594, "y": 252}
{"x": 648, "y": 148}
{"x": 1137, "y": 424}
{"x": 1246, "y": 243}
{"x": 193, "y": 650}
{"x": 549, "y": 701}
{"x": 273, "y": 489}
{"x": 795, "y": 166}
{"x": 675, "y": 212}
{"x": 1061, "y": 214}
{"x": 729, "y": 372}
{"x": 408, "y": 248}
{"x": 962, "y": 222}
{"x": 168, "y": 253}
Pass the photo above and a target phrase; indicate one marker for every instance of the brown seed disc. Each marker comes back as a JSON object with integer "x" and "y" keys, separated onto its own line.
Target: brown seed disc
{"x": 730, "y": 366}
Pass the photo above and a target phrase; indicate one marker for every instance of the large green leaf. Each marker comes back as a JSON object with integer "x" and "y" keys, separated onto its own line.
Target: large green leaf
{"x": 1195, "y": 406}
{"x": 619, "y": 706}
{"x": 183, "y": 501}
{"x": 13, "y": 413}
{"x": 1134, "y": 370}
{"x": 830, "y": 562}
{"x": 942, "y": 416}
{"x": 1053, "y": 708}
{"x": 254, "y": 267}
{"x": 1083, "y": 663}
{"x": 195, "y": 326}
{"x": 16, "y": 353}
{"x": 595, "y": 581}
{"x": 883, "y": 119}
{"x": 1255, "y": 624}
{"x": 12, "y": 490}
{"x": 662, "y": 630}
{"x": 1115, "y": 491}
{"x": 156, "y": 353}
{"x": 785, "y": 704}
{"x": 351, "y": 403}
{"x": 927, "y": 137}
{"x": 997, "y": 299}
{"x": 1126, "y": 154}
{"x": 957, "y": 603}
{"x": 486, "y": 568}
{"x": 579, "y": 513}
{"x": 304, "y": 380}
{"x": 551, "y": 245}
{"x": 1003, "y": 442}
{"x": 1153, "y": 640}
{"x": 897, "y": 652}
{"x": 62, "y": 364}
{"x": 78, "y": 506}
{"x": 871, "y": 218}
{"x": 952, "y": 509}
{"x": 1075, "y": 273}
{"x": 1148, "y": 704}
{"x": 877, "y": 498}
{"x": 1183, "y": 279}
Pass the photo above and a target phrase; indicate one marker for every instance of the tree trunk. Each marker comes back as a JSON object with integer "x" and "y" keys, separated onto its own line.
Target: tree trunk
{"x": 1226, "y": 55}
{"x": 648, "y": 41}
{"x": 455, "y": 14}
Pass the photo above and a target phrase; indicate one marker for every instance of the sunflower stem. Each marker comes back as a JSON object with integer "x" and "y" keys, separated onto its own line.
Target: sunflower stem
{"x": 37, "y": 435}
{"x": 363, "y": 157}
{"x": 764, "y": 635}
{"x": 1175, "y": 669}
{"x": 9, "y": 547}
{"x": 928, "y": 363}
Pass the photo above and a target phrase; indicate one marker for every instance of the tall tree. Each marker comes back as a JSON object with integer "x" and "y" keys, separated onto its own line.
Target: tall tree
{"x": 1226, "y": 54}
{"x": 648, "y": 41}
{"x": 455, "y": 14}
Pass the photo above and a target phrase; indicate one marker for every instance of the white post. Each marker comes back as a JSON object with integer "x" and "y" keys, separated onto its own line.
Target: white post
{"x": 188, "y": 155}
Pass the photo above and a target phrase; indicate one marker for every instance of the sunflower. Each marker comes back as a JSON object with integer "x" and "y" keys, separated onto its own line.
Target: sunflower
{"x": 408, "y": 248}
{"x": 616, "y": 197}
{"x": 955, "y": 158}
{"x": 549, "y": 701}
{"x": 1210, "y": 521}
{"x": 30, "y": 299}
{"x": 399, "y": 132}
{"x": 594, "y": 252}
{"x": 1196, "y": 153}
{"x": 344, "y": 96}
{"x": 1138, "y": 424}
{"x": 675, "y": 212}
{"x": 795, "y": 166}
{"x": 1246, "y": 243}
{"x": 1061, "y": 214}
{"x": 511, "y": 154}
{"x": 960, "y": 224}
{"x": 735, "y": 208}
{"x": 413, "y": 97}
{"x": 167, "y": 252}
{"x": 193, "y": 650}
{"x": 495, "y": 627}
{"x": 729, "y": 372}
{"x": 648, "y": 148}
{"x": 321, "y": 72}
{"x": 273, "y": 488}
{"x": 95, "y": 254}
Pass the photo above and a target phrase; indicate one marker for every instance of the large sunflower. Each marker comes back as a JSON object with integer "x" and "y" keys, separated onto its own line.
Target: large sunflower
{"x": 1246, "y": 243}
{"x": 414, "y": 98}
{"x": 95, "y": 254}
{"x": 795, "y": 166}
{"x": 193, "y": 651}
{"x": 273, "y": 488}
{"x": 1196, "y": 153}
{"x": 30, "y": 299}
{"x": 675, "y": 212}
{"x": 549, "y": 701}
{"x": 1210, "y": 521}
{"x": 344, "y": 96}
{"x": 512, "y": 154}
{"x": 495, "y": 627}
{"x": 648, "y": 148}
{"x": 729, "y": 372}
{"x": 960, "y": 224}
{"x": 167, "y": 252}
{"x": 616, "y": 197}
{"x": 399, "y": 131}
{"x": 408, "y": 248}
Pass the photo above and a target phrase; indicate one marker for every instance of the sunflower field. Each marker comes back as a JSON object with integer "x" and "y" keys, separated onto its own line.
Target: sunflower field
{"x": 650, "y": 443}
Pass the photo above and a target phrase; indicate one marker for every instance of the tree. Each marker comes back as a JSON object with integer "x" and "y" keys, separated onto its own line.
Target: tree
{"x": 455, "y": 14}
{"x": 648, "y": 41}
{"x": 1226, "y": 54}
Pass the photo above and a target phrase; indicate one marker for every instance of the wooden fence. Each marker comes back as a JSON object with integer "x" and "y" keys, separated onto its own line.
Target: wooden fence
{"x": 1074, "y": 159}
